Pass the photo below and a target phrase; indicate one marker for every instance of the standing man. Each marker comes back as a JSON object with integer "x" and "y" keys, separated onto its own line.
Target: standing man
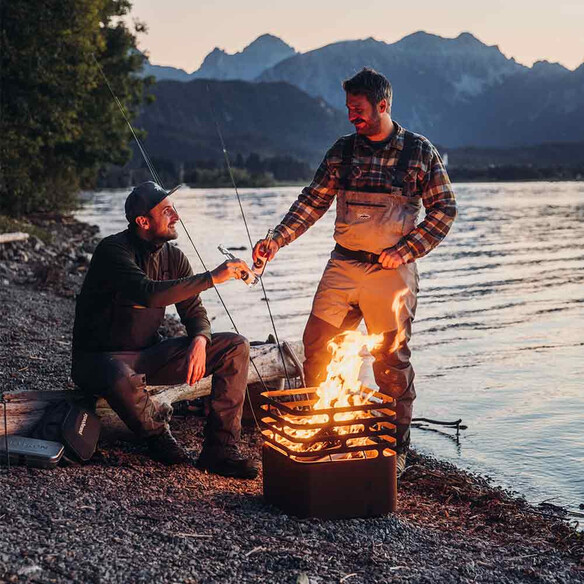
{"x": 381, "y": 176}
{"x": 117, "y": 350}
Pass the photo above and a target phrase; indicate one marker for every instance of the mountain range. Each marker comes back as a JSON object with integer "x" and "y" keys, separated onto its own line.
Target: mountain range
{"x": 265, "y": 52}
{"x": 459, "y": 92}
{"x": 270, "y": 119}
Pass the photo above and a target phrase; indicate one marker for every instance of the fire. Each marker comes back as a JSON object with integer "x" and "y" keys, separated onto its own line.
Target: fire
{"x": 344, "y": 386}
{"x": 342, "y": 383}
{"x": 400, "y": 337}
{"x": 341, "y": 388}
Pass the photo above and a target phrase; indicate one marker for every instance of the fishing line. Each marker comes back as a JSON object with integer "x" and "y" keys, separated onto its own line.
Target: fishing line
{"x": 123, "y": 112}
{"x": 157, "y": 179}
{"x": 6, "y": 434}
{"x": 232, "y": 177}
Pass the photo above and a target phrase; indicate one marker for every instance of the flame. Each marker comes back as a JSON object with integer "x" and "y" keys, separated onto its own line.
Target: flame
{"x": 342, "y": 381}
{"x": 400, "y": 336}
{"x": 342, "y": 386}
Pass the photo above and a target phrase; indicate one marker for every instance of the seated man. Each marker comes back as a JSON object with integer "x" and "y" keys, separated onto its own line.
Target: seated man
{"x": 117, "y": 350}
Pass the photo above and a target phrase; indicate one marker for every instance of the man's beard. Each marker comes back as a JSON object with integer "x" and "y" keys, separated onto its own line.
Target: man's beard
{"x": 168, "y": 235}
{"x": 372, "y": 127}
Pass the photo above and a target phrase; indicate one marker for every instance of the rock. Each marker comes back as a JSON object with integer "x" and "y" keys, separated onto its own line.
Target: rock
{"x": 29, "y": 570}
{"x": 83, "y": 258}
{"x": 37, "y": 244}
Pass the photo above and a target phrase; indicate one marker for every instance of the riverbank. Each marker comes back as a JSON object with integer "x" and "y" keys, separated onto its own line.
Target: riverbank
{"x": 126, "y": 518}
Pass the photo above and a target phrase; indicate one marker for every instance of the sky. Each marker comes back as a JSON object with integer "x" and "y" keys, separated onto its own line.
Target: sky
{"x": 182, "y": 32}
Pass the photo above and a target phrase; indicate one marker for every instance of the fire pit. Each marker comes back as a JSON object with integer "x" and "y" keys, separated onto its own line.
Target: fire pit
{"x": 330, "y": 463}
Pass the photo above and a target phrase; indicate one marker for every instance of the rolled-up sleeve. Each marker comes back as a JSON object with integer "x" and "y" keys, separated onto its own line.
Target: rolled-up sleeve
{"x": 440, "y": 206}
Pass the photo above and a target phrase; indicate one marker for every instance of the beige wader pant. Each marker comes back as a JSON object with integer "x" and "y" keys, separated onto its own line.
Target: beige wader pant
{"x": 351, "y": 290}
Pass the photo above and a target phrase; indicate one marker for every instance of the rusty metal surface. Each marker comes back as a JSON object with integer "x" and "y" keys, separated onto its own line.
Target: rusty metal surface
{"x": 339, "y": 489}
{"x": 341, "y": 469}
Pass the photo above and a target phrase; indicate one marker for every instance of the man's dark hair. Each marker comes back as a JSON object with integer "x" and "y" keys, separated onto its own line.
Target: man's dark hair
{"x": 373, "y": 85}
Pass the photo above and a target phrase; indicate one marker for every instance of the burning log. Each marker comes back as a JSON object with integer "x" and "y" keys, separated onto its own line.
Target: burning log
{"x": 25, "y": 408}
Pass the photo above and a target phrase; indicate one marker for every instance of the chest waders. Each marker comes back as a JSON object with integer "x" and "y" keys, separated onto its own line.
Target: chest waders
{"x": 355, "y": 287}
{"x": 369, "y": 220}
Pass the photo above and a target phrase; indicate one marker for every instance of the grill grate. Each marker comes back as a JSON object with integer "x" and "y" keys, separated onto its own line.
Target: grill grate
{"x": 369, "y": 431}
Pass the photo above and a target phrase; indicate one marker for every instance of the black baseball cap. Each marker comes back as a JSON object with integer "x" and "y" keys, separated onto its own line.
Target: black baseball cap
{"x": 145, "y": 197}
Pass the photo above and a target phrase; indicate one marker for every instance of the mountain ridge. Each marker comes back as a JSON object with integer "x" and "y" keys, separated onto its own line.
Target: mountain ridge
{"x": 457, "y": 91}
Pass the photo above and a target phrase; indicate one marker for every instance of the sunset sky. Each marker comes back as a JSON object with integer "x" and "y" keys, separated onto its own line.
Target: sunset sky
{"x": 182, "y": 32}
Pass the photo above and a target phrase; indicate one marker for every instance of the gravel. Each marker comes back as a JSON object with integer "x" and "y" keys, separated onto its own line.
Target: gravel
{"x": 125, "y": 518}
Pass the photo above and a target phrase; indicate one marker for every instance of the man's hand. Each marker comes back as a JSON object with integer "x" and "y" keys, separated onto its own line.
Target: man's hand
{"x": 196, "y": 358}
{"x": 265, "y": 249}
{"x": 229, "y": 270}
{"x": 390, "y": 259}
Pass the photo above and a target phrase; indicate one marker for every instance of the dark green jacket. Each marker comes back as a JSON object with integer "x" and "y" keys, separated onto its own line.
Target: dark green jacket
{"x": 127, "y": 287}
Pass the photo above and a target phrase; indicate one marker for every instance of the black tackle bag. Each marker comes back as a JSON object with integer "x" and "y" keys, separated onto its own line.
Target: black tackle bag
{"x": 74, "y": 426}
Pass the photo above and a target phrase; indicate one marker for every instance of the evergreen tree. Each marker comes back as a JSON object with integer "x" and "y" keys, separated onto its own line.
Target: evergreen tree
{"x": 59, "y": 124}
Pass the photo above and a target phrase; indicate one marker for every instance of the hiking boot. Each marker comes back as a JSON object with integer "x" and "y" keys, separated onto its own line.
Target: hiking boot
{"x": 227, "y": 461}
{"x": 164, "y": 448}
{"x": 400, "y": 463}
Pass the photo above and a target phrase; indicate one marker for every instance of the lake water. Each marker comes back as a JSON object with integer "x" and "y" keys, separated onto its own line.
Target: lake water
{"x": 499, "y": 334}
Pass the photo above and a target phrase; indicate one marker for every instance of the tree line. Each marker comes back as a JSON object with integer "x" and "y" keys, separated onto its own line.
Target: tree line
{"x": 250, "y": 170}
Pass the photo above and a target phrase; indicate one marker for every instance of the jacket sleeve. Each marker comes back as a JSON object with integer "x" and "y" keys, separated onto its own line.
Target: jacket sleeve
{"x": 131, "y": 281}
{"x": 191, "y": 311}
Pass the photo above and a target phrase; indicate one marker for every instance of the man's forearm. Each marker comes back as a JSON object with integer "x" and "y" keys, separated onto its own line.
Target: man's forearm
{"x": 428, "y": 234}
{"x": 440, "y": 206}
{"x": 156, "y": 293}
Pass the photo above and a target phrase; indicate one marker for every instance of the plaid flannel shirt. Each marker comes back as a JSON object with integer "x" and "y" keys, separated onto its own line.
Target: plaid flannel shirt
{"x": 426, "y": 176}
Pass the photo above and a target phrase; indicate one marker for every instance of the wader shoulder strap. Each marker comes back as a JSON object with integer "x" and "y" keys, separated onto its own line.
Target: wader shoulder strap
{"x": 165, "y": 261}
{"x": 347, "y": 162}
{"x": 401, "y": 168}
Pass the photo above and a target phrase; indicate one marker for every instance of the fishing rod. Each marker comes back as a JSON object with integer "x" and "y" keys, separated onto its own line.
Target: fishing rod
{"x": 157, "y": 179}
{"x": 263, "y": 267}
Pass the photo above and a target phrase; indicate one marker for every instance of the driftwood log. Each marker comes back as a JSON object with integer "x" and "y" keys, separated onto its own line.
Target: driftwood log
{"x": 25, "y": 408}
{"x": 10, "y": 237}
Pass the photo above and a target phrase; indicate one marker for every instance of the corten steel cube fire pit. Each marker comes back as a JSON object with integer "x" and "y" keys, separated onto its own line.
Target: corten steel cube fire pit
{"x": 344, "y": 469}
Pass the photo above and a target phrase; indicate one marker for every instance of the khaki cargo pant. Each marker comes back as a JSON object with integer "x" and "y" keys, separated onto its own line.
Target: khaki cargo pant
{"x": 352, "y": 291}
